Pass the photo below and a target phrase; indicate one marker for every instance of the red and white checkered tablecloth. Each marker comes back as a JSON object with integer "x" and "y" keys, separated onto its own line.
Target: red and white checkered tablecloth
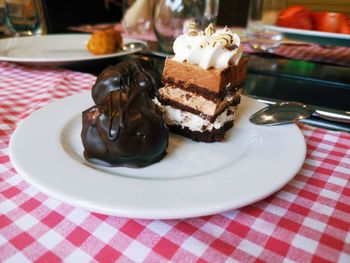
{"x": 310, "y": 52}
{"x": 308, "y": 220}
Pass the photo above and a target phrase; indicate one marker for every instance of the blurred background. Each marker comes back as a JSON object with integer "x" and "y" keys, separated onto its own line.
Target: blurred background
{"x": 59, "y": 15}
{"x": 64, "y": 13}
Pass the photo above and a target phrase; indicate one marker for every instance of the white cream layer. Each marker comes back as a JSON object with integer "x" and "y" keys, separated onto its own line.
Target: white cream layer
{"x": 199, "y": 50}
{"x": 173, "y": 116}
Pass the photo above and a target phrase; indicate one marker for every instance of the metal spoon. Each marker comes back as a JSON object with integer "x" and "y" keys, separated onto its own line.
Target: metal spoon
{"x": 134, "y": 45}
{"x": 288, "y": 112}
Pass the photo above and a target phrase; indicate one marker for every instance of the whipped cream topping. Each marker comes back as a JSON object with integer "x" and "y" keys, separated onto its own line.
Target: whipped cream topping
{"x": 208, "y": 48}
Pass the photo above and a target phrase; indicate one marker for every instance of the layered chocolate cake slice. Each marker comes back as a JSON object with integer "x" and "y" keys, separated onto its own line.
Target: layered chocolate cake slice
{"x": 202, "y": 83}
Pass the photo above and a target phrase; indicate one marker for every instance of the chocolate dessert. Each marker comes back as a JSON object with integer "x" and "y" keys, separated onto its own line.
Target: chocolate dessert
{"x": 125, "y": 128}
{"x": 139, "y": 72}
{"x": 202, "y": 83}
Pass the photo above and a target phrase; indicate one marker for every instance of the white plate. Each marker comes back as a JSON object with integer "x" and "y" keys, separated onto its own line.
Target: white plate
{"x": 193, "y": 179}
{"x": 318, "y": 37}
{"x": 60, "y": 49}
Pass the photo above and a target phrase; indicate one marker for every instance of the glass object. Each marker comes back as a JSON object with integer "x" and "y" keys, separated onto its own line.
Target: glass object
{"x": 2, "y": 17}
{"x": 2, "y": 12}
{"x": 263, "y": 13}
{"x": 23, "y": 17}
{"x": 211, "y": 12}
{"x": 169, "y": 17}
{"x": 137, "y": 17}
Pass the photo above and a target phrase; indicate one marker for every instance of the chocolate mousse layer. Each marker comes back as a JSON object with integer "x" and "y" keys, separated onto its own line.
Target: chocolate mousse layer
{"x": 212, "y": 82}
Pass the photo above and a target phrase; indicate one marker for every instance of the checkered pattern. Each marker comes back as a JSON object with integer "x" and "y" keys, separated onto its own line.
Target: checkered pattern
{"x": 308, "y": 220}
{"x": 311, "y": 52}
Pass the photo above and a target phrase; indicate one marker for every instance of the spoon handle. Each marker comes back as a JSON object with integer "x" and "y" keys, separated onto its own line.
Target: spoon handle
{"x": 343, "y": 117}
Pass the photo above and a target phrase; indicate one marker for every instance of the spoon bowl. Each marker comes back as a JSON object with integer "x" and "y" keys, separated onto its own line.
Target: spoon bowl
{"x": 133, "y": 45}
{"x": 290, "y": 111}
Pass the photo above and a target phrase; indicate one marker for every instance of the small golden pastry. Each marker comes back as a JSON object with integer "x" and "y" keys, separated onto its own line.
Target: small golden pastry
{"x": 105, "y": 41}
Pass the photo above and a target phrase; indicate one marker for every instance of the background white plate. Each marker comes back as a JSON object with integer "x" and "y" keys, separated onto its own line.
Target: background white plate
{"x": 193, "y": 179}
{"x": 60, "y": 49}
{"x": 318, "y": 37}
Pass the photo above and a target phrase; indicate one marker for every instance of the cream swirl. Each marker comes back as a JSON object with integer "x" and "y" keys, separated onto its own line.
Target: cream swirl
{"x": 218, "y": 49}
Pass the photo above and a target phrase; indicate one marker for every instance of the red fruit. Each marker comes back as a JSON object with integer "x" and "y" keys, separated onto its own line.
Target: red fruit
{"x": 344, "y": 25}
{"x": 296, "y": 16}
{"x": 327, "y": 21}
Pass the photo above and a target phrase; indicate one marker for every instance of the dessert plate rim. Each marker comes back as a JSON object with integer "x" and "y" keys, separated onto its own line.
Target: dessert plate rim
{"x": 56, "y": 50}
{"x": 312, "y": 36}
{"x": 272, "y": 160}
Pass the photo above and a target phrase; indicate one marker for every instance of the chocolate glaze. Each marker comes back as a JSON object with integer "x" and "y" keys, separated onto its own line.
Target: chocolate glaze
{"x": 136, "y": 72}
{"x": 125, "y": 128}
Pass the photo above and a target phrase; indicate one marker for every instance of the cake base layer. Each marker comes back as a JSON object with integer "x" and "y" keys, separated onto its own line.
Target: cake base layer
{"x": 215, "y": 135}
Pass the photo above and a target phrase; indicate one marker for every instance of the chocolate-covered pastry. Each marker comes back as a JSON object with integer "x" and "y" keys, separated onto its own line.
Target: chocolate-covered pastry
{"x": 136, "y": 72}
{"x": 125, "y": 128}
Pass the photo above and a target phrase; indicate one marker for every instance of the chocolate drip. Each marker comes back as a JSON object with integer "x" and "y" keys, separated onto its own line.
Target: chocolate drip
{"x": 125, "y": 128}
{"x": 120, "y": 76}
